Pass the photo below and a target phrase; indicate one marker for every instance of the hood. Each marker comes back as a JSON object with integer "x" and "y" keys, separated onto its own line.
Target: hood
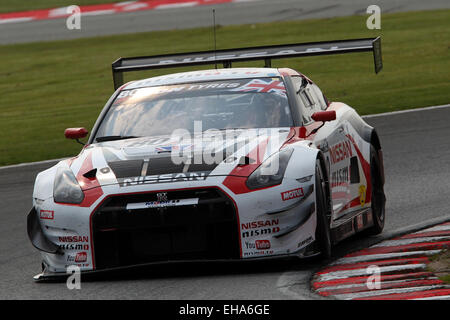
{"x": 183, "y": 156}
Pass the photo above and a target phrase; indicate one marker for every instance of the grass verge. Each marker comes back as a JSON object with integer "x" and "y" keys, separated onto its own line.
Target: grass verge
{"x": 47, "y": 87}
{"x": 440, "y": 265}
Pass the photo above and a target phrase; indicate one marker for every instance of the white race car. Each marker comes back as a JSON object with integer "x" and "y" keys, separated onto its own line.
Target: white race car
{"x": 221, "y": 164}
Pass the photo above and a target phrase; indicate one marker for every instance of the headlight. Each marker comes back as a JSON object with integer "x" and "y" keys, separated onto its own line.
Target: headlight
{"x": 271, "y": 171}
{"x": 66, "y": 188}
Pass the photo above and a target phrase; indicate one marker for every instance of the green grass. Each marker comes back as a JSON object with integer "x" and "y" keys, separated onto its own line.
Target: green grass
{"x": 440, "y": 265}
{"x": 46, "y": 87}
{"x": 26, "y": 5}
{"x": 446, "y": 278}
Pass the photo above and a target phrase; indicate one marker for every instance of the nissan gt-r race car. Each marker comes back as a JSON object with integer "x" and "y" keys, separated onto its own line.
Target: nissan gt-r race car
{"x": 220, "y": 164}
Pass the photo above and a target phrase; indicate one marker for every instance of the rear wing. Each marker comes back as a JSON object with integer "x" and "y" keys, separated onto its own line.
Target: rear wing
{"x": 228, "y": 56}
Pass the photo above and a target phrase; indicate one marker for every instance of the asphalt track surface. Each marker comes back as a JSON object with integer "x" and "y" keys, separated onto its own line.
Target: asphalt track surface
{"x": 416, "y": 153}
{"x": 417, "y": 164}
{"x": 201, "y": 16}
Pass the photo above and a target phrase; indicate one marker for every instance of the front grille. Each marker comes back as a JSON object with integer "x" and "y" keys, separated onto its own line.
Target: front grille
{"x": 207, "y": 230}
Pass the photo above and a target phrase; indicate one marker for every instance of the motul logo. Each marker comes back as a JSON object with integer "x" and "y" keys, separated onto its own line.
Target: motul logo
{"x": 262, "y": 244}
{"x": 81, "y": 257}
{"x": 47, "y": 214}
{"x": 291, "y": 194}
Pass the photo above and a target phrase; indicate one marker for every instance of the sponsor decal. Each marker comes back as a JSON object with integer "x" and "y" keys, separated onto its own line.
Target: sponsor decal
{"x": 258, "y": 244}
{"x": 81, "y": 257}
{"x": 259, "y": 224}
{"x": 259, "y": 228}
{"x": 258, "y": 253}
{"x": 78, "y": 258}
{"x": 262, "y": 244}
{"x": 139, "y": 94}
{"x": 260, "y": 232}
{"x": 163, "y": 178}
{"x": 305, "y": 242}
{"x": 341, "y": 151}
{"x": 339, "y": 177}
{"x": 73, "y": 246}
{"x": 219, "y": 85}
{"x": 47, "y": 214}
{"x": 74, "y": 239}
{"x": 291, "y": 194}
{"x": 362, "y": 195}
{"x": 79, "y": 243}
{"x": 291, "y": 50}
{"x": 162, "y": 204}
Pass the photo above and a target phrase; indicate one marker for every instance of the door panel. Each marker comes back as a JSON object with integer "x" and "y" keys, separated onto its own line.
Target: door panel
{"x": 338, "y": 155}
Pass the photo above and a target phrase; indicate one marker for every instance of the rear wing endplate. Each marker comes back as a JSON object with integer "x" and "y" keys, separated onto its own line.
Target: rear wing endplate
{"x": 228, "y": 56}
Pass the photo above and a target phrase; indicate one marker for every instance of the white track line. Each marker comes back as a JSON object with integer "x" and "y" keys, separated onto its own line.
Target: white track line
{"x": 435, "y": 228}
{"x": 357, "y": 285}
{"x": 31, "y": 163}
{"x": 342, "y": 274}
{"x": 401, "y": 242}
{"x": 374, "y": 293}
{"x": 98, "y": 12}
{"x": 434, "y": 298}
{"x": 383, "y": 256}
{"x": 14, "y": 20}
{"x": 176, "y": 5}
{"x": 405, "y": 111}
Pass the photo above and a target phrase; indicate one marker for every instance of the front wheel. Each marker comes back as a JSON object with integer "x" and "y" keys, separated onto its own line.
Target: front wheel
{"x": 323, "y": 236}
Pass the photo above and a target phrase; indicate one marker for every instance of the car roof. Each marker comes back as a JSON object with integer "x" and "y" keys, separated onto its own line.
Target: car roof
{"x": 203, "y": 75}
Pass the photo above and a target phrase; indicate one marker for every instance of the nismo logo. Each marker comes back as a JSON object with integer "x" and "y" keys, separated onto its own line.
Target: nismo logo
{"x": 257, "y": 228}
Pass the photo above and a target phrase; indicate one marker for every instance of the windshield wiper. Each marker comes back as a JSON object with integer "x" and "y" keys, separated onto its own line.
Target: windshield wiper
{"x": 112, "y": 138}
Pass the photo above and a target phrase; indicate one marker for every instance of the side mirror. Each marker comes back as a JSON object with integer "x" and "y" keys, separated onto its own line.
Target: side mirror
{"x": 75, "y": 133}
{"x": 324, "y": 116}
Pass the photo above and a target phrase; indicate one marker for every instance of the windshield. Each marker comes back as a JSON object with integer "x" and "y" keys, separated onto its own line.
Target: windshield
{"x": 242, "y": 103}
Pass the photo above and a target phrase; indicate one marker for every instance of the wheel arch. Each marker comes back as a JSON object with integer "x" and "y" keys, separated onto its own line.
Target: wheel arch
{"x": 370, "y": 135}
{"x": 375, "y": 142}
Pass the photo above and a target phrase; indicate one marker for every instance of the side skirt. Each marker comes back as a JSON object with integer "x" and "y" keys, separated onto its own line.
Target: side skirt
{"x": 350, "y": 224}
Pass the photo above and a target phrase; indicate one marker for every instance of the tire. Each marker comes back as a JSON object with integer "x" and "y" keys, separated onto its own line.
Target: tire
{"x": 323, "y": 234}
{"x": 378, "y": 197}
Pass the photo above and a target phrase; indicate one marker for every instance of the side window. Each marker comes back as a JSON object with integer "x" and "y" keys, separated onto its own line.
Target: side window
{"x": 319, "y": 97}
{"x": 306, "y": 98}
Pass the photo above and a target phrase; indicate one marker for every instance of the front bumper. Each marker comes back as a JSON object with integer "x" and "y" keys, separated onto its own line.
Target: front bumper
{"x": 36, "y": 235}
{"x": 49, "y": 276}
{"x": 223, "y": 226}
